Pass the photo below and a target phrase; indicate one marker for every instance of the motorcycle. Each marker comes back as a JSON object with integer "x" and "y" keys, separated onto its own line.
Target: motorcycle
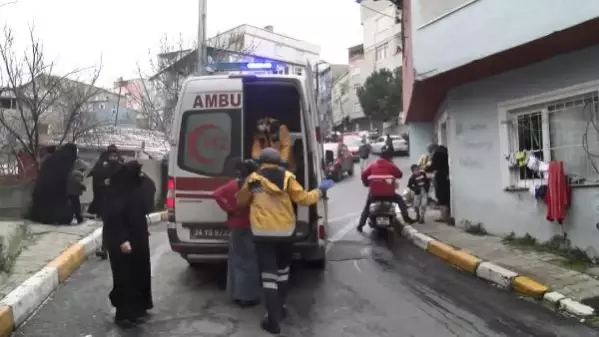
{"x": 382, "y": 216}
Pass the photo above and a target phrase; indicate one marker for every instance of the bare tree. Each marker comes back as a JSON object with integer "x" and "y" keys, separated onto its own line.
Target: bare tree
{"x": 35, "y": 100}
{"x": 175, "y": 62}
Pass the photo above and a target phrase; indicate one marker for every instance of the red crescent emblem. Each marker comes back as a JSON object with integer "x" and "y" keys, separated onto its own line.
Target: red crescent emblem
{"x": 192, "y": 142}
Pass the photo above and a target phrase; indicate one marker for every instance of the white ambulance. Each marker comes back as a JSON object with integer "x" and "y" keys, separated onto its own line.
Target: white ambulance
{"x": 213, "y": 129}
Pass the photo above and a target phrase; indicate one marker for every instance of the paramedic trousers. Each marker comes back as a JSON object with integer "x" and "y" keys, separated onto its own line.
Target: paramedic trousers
{"x": 274, "y": 259}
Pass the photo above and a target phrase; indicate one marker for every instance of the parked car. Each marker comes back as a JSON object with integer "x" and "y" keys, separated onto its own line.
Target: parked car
{"x": 399, "y": 145}
{"x": 337, "y": 161}
{"x": 353, "y": 145}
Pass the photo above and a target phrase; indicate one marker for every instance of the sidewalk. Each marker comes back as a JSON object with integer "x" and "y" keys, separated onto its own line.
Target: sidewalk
{"x": 538, "y": 266}
{"x": 48, "y": 242}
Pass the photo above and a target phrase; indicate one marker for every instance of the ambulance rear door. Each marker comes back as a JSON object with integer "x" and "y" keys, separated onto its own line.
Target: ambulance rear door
{"x": 208, "y": 147}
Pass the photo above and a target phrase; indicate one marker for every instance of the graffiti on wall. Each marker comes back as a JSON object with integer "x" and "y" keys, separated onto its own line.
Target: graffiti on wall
{"x": 473, "y": 144}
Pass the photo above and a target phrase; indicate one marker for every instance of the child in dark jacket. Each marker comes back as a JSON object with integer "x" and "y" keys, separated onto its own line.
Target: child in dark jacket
{"x": 75, "y": 188}
{"x": 420, "y": 184}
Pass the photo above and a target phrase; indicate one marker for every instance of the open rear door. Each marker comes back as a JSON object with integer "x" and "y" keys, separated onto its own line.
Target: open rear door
{"x": 313, "y": 120}
{"x": 210, "y": 144}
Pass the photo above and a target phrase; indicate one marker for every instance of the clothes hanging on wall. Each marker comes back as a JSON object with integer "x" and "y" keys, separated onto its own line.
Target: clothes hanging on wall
{"x": 558, "y": 194}
{"x": 535, "y": 164}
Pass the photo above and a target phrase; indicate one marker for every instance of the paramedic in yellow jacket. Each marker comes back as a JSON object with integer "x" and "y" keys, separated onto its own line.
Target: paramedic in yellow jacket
{"x": 270, "y": 192}
{"x": 271, "y": 133}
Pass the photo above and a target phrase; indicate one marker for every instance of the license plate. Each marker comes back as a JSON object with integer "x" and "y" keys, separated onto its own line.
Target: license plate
{"x": 382, "y": 221}
{"x": 207, "y": 233}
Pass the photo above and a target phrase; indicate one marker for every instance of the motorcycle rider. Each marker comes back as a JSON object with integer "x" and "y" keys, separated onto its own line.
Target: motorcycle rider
{"x": 380, "y": 177}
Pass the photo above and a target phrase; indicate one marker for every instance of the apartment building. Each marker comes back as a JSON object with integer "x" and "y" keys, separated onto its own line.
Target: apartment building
{"x": 489, "y": 79}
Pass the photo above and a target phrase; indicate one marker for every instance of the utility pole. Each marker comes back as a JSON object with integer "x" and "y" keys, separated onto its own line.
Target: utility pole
{"x": 118, "y": 102}
{"x": 202, "y": 57}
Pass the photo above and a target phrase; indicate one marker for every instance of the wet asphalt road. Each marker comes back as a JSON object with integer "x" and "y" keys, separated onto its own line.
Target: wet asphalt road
{"x": 371, "y": 287}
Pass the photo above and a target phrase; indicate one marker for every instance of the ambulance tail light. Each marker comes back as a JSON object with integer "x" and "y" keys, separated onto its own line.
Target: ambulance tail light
{"x": 170, "y": 199}
{"x": 322, "y": 232}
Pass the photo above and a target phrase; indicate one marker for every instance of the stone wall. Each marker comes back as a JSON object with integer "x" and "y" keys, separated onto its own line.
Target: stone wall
{"x": 15, "y": 199}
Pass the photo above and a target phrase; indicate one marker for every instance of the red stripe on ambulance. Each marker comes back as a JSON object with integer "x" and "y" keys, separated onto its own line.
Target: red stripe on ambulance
{"x": 199, "y": 183}
{"x": 217, "y": 100}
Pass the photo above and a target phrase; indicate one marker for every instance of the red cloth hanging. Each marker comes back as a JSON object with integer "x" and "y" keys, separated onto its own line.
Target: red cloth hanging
{"x": 558, "y": 193}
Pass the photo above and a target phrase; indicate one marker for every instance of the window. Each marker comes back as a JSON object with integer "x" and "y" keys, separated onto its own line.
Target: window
{"x": 298, "y": 71}
{"x": 381, "y": 52}
{"x": 563, "y": 130}
{"x": 102, "y": 106}
{"x": 210, "y": 143}
{"x": 43, "y": 128}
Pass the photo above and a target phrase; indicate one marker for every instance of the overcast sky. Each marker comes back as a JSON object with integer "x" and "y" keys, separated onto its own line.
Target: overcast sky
{"x": 79, "y": 33}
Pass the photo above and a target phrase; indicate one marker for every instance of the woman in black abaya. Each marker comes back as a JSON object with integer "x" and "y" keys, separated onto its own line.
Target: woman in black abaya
{"x": 107, "y": 164}
{"x": 49, "y": 199}
{"x": 125, "y": 236}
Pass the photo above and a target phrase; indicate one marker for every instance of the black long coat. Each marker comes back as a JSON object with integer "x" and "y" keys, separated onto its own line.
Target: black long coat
{"x": 102, "y": 170}
{"x": 125, "y": 220}
{"x": 49, "y": 204}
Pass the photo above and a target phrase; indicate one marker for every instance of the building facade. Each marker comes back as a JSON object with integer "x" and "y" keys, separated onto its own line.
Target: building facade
{"x": 381, "y": 35}
{"x": 381, "y": 49}
{"x": 510, "y": 79}
{"x": 341, "y": 102}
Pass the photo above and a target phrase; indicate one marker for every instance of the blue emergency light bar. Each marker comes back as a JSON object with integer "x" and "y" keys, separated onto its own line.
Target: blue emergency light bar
{"x": 243, "y": 66}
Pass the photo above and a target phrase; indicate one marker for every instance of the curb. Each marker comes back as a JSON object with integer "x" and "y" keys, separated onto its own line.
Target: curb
{"x": 504, "y": 278}
{"x": 16, "y": 307}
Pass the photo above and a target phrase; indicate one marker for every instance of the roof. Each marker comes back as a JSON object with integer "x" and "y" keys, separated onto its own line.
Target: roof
{"x": 357, "y": 49}
{"x": 127, "y": 138}
{"x": 422, "y": 98}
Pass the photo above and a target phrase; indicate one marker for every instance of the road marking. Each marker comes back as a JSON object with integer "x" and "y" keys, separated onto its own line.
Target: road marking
{"x": 343, "y": 217}
{"x": 357, "y": 266}
{"x": 340, "y": 234}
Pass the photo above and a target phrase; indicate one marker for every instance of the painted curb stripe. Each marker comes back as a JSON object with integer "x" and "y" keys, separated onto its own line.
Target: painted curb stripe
{"x": 439, "y": 249}
{"x": 68, "y": 261}
{"x": 506, "y": 278}
{"x": 6, "y": 325}
{"x": 464, "y": 261}
{"x": 527, "y": 286}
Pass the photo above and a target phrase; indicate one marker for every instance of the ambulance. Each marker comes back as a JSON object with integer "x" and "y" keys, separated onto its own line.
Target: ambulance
{"x": 213, "y": 127}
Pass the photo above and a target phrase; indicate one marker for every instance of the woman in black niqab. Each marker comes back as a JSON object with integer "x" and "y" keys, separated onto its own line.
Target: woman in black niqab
{"x": 108, "y": 163}
{"x": 49, "y": 204}
{"x": 125, "y": 236}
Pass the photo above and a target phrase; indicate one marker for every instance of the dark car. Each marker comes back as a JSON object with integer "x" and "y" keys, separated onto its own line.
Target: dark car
{"x": 337, "y": 161}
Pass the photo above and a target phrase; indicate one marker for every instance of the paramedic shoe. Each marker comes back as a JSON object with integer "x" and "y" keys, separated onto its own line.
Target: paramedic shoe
{"x": 421, "y": 220}
{"x": 268, "y": 326}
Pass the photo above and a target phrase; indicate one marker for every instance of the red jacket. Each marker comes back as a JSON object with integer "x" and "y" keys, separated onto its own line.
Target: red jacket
{"x": 380, "y": 177}
{"x": 225, "y": 197}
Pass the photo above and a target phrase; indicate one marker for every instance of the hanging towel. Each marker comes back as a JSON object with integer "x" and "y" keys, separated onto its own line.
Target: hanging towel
{"x": 558, "y": 194}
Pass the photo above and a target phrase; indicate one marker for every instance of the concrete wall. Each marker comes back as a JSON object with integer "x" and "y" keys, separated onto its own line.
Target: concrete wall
{"x": 485, "y": 27}
{"x": 420, "y": 139}
{"x": 15, "y": 199}
{"x": 476, "y": 156}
